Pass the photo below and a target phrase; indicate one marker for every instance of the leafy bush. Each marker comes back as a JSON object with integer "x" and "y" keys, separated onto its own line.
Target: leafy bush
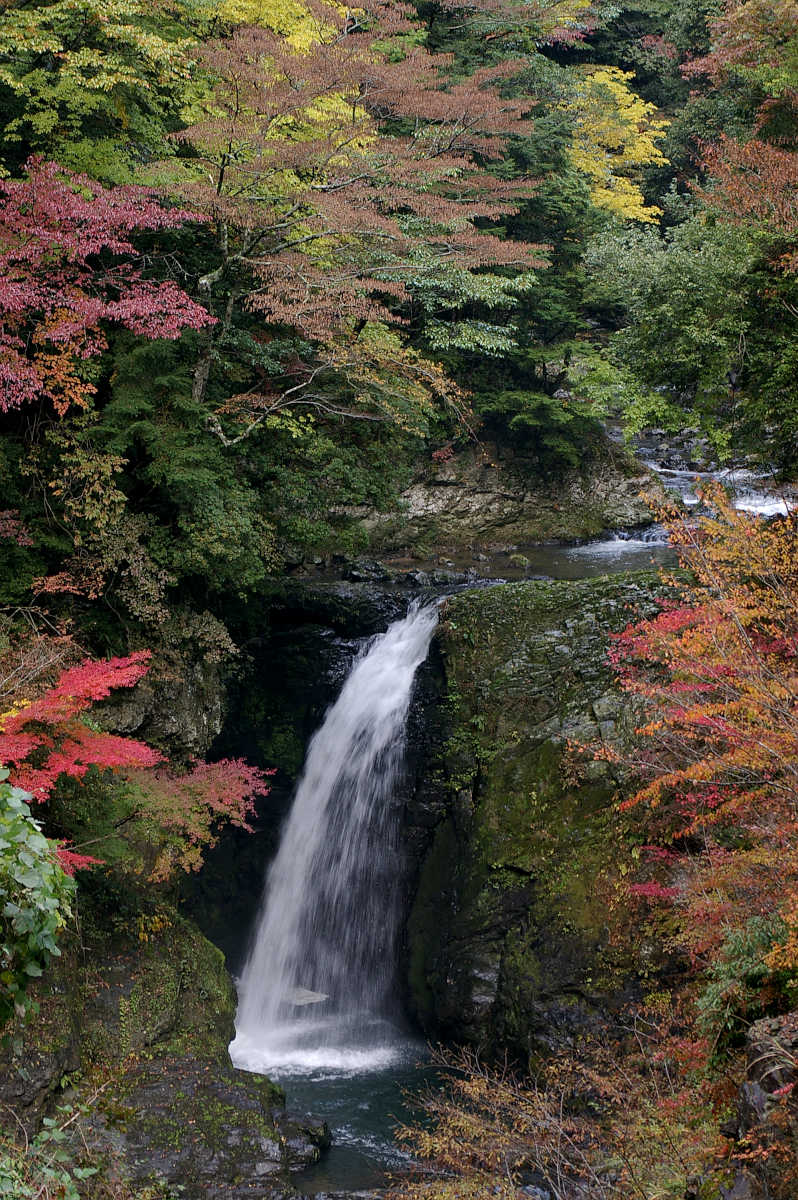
{"x": 45, "y": 1166}
{"x": 36, "y": 897}
{"x": 740, "y": 982}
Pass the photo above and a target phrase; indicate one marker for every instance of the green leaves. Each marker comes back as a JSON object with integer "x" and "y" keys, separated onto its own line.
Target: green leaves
{"x": 93, "y": 83}
{"x": 35, "y": 902}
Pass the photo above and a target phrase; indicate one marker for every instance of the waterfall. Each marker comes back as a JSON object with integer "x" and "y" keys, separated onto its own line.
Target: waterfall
{"x": 316, "y": 989}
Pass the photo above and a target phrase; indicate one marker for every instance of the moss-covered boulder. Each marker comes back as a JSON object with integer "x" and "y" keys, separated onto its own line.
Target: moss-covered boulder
{"x": 507, "y": 938}
{"x": 138, "y": 1026}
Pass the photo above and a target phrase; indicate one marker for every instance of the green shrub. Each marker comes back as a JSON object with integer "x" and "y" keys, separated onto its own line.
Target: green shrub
{"x": 35, "y": 900}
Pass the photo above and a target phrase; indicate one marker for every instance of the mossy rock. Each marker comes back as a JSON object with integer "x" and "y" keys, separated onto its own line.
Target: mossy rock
{"x": 507, "y": 936}
{"x": 197, "y": 1126}
{"x": 142, "y": 1027}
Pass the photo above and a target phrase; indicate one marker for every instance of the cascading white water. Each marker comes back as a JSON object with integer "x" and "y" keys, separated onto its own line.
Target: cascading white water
{"x": 316, "y": 988}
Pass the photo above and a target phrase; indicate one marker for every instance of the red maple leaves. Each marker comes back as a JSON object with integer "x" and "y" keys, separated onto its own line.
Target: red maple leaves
{"x": 68, "y": 267}
{"x": 47, "y": 738}
{"x": 42, "y": 741}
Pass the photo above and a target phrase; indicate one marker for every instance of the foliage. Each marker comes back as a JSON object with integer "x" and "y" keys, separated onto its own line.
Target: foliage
{"x": 325, "y": 222}
{"x": 36, "y": 898}
{"x": 523, "y": 23}
{"x": 155, "y": 825}
{"x": 55, "y": 297}
{"x": 718, "y": 756}
{"x": 171, "y": 816}
{"x": 616, "y": 134}
{"x": 705, "y": 332}
{"x": 48, "y": 1166}
{"x": 92, "y": 84}
{"x": 608, "y": 1121}
{"x": 41, "y": 740}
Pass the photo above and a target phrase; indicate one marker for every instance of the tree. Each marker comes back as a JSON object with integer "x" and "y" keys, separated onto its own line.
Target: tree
{"x": 716, "y": 758}
{"x": 704, "y": 334}
{"x": 95, "y": 84}
{"x": 604, "y": 1118}
{"x": 615, "y": 136}
{"x": 45, "y": 738}
{"x": 525, "y": 23}
{"x": 69, "y": 267}
{"x": 754, "y": 44}
{"x": 344, "y": 178}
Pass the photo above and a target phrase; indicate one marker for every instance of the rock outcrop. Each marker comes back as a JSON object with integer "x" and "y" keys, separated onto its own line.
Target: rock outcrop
{"x": 485, "y": 497}
{"x": 764, "y": 1130}
{"x": 506, "y": 938}
{"x": 178, "y": 706}
{"x": 138, "y": 1031}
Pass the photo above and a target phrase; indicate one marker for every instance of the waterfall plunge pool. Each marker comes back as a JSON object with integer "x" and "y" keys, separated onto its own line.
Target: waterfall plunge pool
{"x": 359, "y": 1089}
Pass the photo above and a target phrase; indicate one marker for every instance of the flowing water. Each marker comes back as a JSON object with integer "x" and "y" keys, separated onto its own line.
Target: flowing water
{"x": 316, "y": 995}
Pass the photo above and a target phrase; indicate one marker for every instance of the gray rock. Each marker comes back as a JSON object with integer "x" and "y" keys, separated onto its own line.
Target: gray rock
{"x": 481, "y": 500}
{"x": 178, "y": 706}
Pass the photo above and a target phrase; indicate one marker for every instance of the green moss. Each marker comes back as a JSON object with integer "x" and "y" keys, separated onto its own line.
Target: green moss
{"x": 508, "y": 913}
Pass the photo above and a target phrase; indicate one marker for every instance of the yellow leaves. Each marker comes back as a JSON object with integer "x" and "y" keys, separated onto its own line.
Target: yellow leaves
{"x": 616, "y": 133}
{"x": 13, "y": 711}
{"x": 290, "y": 18}
{"x": 149, "y": 926}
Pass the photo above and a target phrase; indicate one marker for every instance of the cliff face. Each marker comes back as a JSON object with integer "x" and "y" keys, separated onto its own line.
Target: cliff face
{"x": 487, "y": 497}
{"x": 506, "y": 939}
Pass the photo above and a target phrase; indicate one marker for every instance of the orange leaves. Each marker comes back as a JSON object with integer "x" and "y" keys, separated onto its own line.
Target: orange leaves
{"x": 717, "y": 760}
{"x": 718, "y": 672}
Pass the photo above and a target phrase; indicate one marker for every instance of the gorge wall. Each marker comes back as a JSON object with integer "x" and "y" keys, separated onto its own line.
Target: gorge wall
{"x": 506, "y": 939}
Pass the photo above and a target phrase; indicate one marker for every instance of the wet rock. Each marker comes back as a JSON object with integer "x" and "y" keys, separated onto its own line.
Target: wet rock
{"x": 506, "y": 937}
{"x": 742, "y": 1188}
{"x": 156, "y": 1018}
{"x": 304, "y": 1140}
{"x": 202, "y": 1128}
{"x": 343, "y": 1196}
{"x": 765, "y": 1128}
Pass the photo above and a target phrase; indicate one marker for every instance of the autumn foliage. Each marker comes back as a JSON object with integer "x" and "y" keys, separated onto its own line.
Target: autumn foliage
{"x": 753, "y": 180}
{"x": 68, "y": 268}
{"x": 716, "y": 757}
{"x": 50, "y": 740}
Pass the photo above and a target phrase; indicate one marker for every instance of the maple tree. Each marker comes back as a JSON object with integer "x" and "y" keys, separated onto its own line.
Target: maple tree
{"x": 716, "y": 754}
{"x": 753, "y": 179}
{"x": 330, "y": 226}
{"x": 69, "y": 267}
{"x": 50, "y": 739}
